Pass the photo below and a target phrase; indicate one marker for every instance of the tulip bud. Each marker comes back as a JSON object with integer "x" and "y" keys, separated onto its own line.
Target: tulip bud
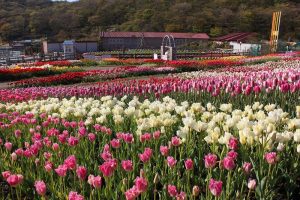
{"x": 14, "y": 156}
{"x": 169, "y": 145}
{"x": 37, "y": 162}
{"x": 196, "y": 191}
{"x": 251, "y": 184}
{"x": 156, "y": 178}
{"x": 142, "y": 173}
{"x": 124, "y": 181}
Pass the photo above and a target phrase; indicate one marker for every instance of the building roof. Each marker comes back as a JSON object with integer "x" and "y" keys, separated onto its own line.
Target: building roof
{"x": 234, "y": 37}
{"x": 69, "y": 42}
{"x": 203, "y": 36}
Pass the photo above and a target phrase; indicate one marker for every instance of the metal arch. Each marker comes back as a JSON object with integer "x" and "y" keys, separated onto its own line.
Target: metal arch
{"x": 173, "y": 41}
{"x": 169, "y": 41}
{"x": 167, "y": 37}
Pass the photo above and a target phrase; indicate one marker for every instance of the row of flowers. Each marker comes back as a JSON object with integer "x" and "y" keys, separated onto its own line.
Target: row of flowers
{"x": 110, "y": 148}
{"x": 282, "y": 65}
{"x": 282, "y": 85}
{"x": 17, "y": 73}
{"x": 203, "y": 64}
{"x": 92, "y": 75}
{"x": 54, "y": 63}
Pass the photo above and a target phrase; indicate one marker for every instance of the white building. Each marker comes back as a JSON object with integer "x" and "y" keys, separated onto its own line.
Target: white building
{"x": 244, "y": 47}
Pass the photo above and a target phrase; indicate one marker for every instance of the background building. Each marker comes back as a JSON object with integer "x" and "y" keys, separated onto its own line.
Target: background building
{"x": 79, "y": 46}
{"x": 146, "y": 40}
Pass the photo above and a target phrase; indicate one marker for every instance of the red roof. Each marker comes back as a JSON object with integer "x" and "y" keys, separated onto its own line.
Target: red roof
{"x": 154, "y": 35}
{"x": 234, "y": 37}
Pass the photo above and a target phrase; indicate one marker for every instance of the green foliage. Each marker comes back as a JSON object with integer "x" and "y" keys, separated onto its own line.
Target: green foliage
{"x": 20, "y": 19}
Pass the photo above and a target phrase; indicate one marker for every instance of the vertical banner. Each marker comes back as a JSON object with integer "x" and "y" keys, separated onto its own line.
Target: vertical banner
{"x": 275, "y": 31}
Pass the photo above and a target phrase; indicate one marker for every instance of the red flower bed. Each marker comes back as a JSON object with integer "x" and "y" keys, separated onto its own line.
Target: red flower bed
{"x": 19, "y": 73}
{"x": 91, "y": 75}
{"x": 54, "y": 63}
{"x": 20, "y": 70}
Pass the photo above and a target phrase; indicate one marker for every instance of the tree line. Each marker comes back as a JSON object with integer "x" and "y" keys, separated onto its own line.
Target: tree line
{"x": 26, "y": 19}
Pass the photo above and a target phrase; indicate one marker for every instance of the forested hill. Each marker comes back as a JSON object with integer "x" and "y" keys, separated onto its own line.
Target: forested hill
{"x": 23, "y": 19}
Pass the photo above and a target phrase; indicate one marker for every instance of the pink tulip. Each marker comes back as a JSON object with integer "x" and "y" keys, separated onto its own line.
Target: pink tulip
{"x": 106, "y": 148}
{"x": 73, "y": 124}
{"x": 97, "y": 127}
{"x": 73, "y": 141}
{"x": 92, "y": 137}
{"x": 8, "y": 146}
{"x": 215, "y": 187}
{"x": 6, "y": 174}
{"x": 210, "y": 160}
{"x": 19, "y": 151}
{"x": 172, "y": 190}
{"x": 70, "y": 162}
{"x": 82, "y": 131}
{"x": 146, "y": 155}
{"x": 48, "y": 166}
{"x": 40, "y": 187}
{"x": 127, "y": 165}
{"x": 181, "y": 196}
{"x": 47, "y": 155}
{"x": 171, "y": 161}
{"x": 75, "y": 196}
{"x": 14, "y": 179}
{"x": 107, "y": 169}
{"x": 247, "y": 167}
{"x": 128, "y": 138}
{"x": 141, "y": 184}
{"x": 115, "y": 143}
{"x": 132, "y": 193}
{"x": 156, "y": 135}
{"x": 18, "y": 133}
{"x": 271, "y": 158}
{"x": 251, "y": 184}
{"x": 256, "y": 89}
{"x": 233, "y": 143}
{"x": 164, "y": 150}
{"x": 228, "y": 163}
{"x": 14, "y": 156}
{"x": 95, "y": 181}
{"x": 81, "y": 172}
{"x": 145, "y": 137}
{"x": 106, "y": 155}
{"x": 63, "y": 138}
{"x": 175, "y": 141}
{"x": 61, "y": 170}
{"x": 55, "y": 147}
{"x": 189, "y": 164}
{"x": 232, "y": 154}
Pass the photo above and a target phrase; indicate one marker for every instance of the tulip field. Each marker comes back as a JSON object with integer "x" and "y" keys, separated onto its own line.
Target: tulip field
{"x": 214, "y": 129}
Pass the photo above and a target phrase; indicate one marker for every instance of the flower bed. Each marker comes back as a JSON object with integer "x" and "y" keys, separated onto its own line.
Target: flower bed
{"x": 242, "y": 70}
{"x": 111, "y": 148}
{"x": 281, "y": 86}
{"x": 92, "y": 75}
{"x": 17, "y": 73}
{"x": 226, "y": 132}
{"x": 54, "y": 63}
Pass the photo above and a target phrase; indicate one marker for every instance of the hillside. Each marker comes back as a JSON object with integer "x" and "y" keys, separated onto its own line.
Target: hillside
{"x": 21, "y": 19}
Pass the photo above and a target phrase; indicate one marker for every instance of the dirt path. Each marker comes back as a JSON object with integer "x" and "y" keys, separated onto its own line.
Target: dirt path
{"x": 4, "y": 85}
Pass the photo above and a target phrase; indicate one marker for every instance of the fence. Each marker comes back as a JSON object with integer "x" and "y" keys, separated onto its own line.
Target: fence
{"x": 200, "y": 55}
{"x": 27, "y": 59}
